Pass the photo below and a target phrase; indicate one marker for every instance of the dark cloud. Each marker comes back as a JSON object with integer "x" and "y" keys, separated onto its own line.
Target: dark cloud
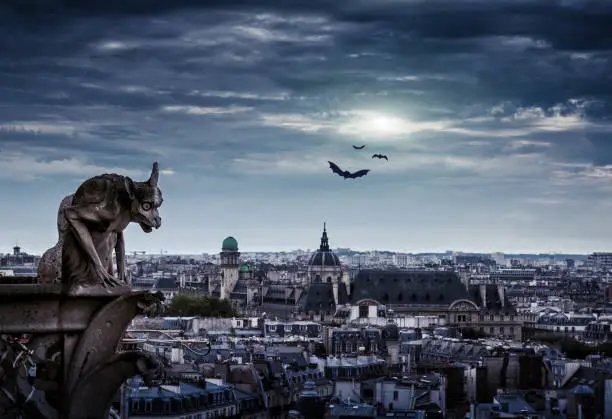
{"x": 510, "y": 98}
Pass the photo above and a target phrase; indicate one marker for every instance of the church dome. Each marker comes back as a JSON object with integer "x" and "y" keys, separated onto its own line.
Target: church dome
{"x": 324, "y": 256}
{"x": 230, "y": 244}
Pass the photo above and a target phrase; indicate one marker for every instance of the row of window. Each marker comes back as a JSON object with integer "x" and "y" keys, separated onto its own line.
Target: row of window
{"x": 289, "y": 328}
{"x": 462, "y": 318}
{"x": 502, "y": 330}
{"x": 186, "y": 403}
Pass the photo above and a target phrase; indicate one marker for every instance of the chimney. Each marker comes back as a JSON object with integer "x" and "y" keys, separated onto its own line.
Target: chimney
{"x": 502, "y": 294}
{"x": 483, "y": 295}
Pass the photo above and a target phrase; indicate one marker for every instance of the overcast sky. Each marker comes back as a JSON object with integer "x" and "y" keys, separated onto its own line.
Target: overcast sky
{"x": 495, "y": 116}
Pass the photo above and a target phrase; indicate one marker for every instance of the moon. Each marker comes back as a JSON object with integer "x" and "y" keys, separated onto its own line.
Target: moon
{"x": 373, "y": 124}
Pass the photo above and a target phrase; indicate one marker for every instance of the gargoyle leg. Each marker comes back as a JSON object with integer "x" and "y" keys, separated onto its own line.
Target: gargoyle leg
{"x": 120, "y": 257}
{"x": 76, "y": 217}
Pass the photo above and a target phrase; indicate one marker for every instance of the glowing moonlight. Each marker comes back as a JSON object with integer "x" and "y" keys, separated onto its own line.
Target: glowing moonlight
{"x": 374, "y": 124}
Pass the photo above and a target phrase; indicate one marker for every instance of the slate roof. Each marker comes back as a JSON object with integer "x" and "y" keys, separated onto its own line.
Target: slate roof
{"x": 240, "y": 287}
{"x": 321, "y": 258}
{"x": 458, "y": 351}
{"x": 407, "y": 287}
{"x": 320, "y": 297}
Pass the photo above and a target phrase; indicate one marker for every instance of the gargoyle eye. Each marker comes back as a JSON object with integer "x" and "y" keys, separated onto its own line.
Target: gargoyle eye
{"x": 146, "y": 206}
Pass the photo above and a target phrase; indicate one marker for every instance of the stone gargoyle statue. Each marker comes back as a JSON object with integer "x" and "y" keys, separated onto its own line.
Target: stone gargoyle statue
{"x": 50, "y": 264}
{"x": 91, "y": 224}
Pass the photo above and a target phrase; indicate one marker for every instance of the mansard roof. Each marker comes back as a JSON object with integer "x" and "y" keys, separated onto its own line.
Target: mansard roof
{"x": 401, "y": 287}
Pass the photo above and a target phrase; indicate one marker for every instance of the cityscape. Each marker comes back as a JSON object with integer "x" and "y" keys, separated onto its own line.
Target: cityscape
{"x": 330, "y": 332}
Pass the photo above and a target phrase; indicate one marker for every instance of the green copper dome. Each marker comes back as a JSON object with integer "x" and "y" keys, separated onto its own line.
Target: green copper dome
{"x": 244, "y": 268}
{"x": 230, "y": 244}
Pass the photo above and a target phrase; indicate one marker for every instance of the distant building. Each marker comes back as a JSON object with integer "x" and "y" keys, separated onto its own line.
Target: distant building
{"x": 181, "y": 400}
{"x": 438, "y": 293}
{"x": 600, "y": 261}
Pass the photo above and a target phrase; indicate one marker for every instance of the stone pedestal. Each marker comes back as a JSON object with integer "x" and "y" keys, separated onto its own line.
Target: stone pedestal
{"x": 59, "y": 354}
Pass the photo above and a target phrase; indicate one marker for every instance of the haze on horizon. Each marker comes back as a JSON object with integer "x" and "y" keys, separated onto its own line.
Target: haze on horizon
{"x": 495, "y": 117}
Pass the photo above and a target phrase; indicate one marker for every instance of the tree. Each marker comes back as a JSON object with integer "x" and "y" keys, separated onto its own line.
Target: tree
{"x": 570, "y": 347}
{"x": 199, "y": 305}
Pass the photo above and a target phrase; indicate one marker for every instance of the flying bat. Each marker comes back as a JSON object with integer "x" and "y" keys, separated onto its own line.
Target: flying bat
{"x": 359, "y": 148}
{"x": 345, "y": 173}
{"x": 380, "y": 156}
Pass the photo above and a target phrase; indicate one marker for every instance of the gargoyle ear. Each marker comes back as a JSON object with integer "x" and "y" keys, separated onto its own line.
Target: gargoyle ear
{"x": 129, "y": 187}
{"x": 154, "y": 176}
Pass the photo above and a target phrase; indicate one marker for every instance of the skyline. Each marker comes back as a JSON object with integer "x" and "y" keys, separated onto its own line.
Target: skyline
{"x": 495, "y": 117}
{"x": 273, "y": 249}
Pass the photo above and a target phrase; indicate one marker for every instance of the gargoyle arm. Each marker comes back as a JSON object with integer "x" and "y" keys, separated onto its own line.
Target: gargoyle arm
{"x": 76, "y": 216}
{"x": 120, "y": 257}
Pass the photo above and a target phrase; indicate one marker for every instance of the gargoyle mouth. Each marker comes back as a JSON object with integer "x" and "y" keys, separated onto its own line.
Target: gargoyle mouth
{"x": 146, "y": 228}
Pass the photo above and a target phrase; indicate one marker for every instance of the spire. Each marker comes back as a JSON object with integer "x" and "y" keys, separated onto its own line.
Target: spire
{"x": 324, "y": 243}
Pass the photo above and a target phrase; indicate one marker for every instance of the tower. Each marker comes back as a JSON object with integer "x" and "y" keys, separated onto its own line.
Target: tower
{"x": 229, "y": 264}
{"x": 324, "y": 265}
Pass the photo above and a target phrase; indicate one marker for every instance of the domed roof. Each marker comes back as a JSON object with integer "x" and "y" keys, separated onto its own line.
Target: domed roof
{"x": 320, "y": 258}
{"x": 230, "y": 244}
{"x": 244, "y": 268}
{"x": 324, "y": 256}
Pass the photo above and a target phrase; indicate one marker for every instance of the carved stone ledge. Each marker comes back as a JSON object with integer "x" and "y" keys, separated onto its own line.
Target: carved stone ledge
{"x": 73, "y": 343}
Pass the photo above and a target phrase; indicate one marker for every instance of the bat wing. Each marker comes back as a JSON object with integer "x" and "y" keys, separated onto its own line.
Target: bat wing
{"x": 359, "y": 173}
{"x": 359, "y": 147}
{"x": 385, "y": 157}
{"x": 335, "y": 168}
{"x": 376, "y": 156}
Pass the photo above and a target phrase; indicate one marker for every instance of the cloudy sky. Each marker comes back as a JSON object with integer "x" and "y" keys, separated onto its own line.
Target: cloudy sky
{"x": 495, "y": 116}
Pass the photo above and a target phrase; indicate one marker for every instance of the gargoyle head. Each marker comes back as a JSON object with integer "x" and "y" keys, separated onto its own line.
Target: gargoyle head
{"x": 145, "y": 198}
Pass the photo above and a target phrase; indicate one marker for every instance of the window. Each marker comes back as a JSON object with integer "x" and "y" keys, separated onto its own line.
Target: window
{"x": 363, "y": 311}
{"x": 395, "y": 395}
{"x": 135, "y": 405}
{"x": 148, "y": 405}
{"x": 501, "y": 330}
{"x": 461, "y": 318}
{"x": 491, "y": 318}
{"x": 491, "y": 330}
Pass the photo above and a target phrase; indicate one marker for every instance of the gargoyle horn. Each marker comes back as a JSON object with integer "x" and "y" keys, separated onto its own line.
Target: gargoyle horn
{"x": 154, "y": 175}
